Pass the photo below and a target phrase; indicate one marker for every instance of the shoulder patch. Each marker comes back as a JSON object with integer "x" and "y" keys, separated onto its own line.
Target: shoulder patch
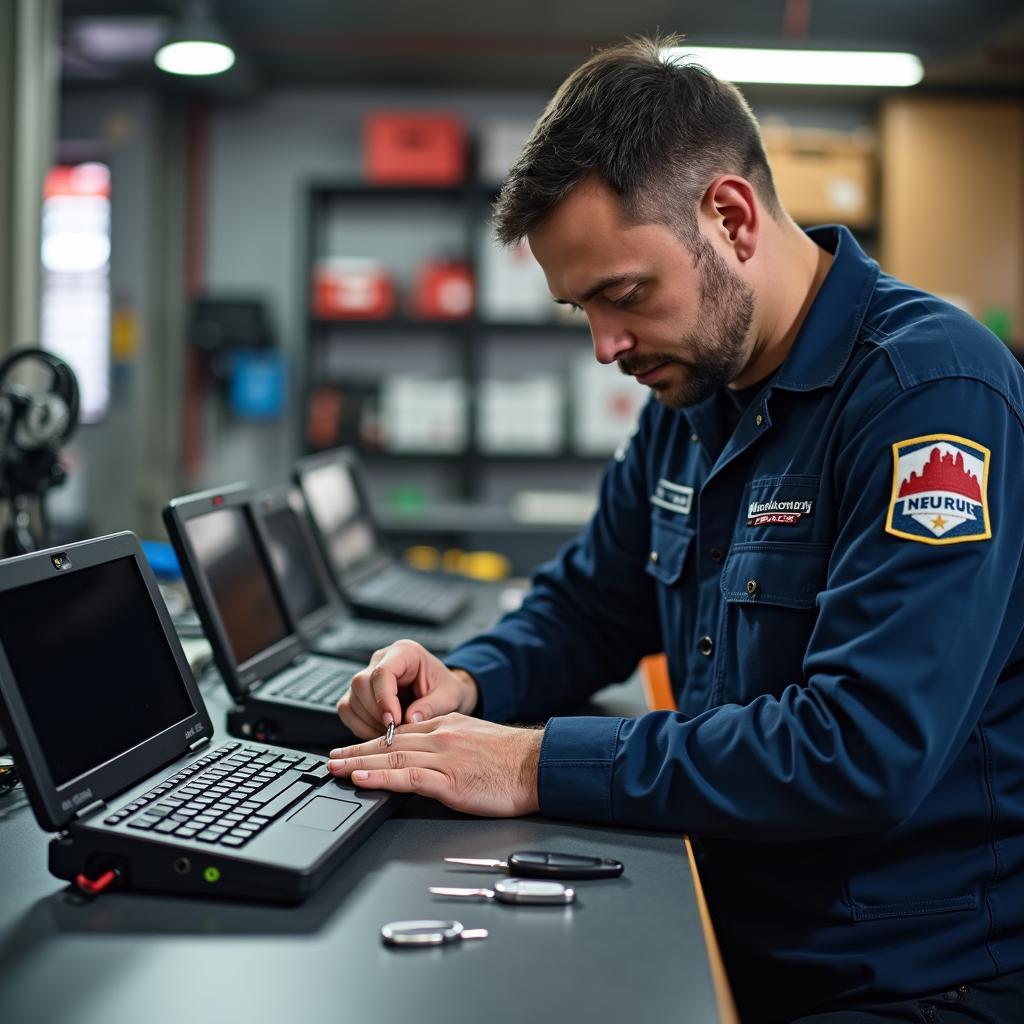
{"x": 939, "y": 490}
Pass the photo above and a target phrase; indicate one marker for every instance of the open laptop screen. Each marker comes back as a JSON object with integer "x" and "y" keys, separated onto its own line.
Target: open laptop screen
{"x": 291, "y": 560}
{"x": 334, "y": 504}
{"x": 103, "y": 680}
{"x": 225, "y": 546}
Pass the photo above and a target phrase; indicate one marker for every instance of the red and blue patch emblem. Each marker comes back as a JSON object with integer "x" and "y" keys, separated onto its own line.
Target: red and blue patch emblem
{"x": 939, "y": 490}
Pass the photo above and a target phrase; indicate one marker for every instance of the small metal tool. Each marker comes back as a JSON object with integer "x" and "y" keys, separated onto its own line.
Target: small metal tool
{"x": 412, "y": 934}
{"x": 515, "y": 890}
{"x": 390, "y": 733}
{"x": 540, "y": 864}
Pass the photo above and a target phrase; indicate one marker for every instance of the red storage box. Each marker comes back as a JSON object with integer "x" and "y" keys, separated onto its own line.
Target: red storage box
{"x": 444, "y": 291}
{"x": 352, "y": 289}
{"x": 414, "y": 149}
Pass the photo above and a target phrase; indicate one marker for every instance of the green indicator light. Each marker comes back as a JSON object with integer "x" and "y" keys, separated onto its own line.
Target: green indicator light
{"x": 211, "y": 875}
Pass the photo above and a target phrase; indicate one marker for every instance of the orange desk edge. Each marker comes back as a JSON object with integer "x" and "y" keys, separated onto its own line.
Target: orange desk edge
{"x": 659, "y": 697}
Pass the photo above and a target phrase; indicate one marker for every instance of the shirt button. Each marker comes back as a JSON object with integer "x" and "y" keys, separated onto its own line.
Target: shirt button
{"x": 705, "y": 645}
{"x": 716, "y": 554}
{"x": 694, "y": 438}
{"x": 759, "y": 420}
{"x": 654, "y": 556}
{"x": 751, "y": 587}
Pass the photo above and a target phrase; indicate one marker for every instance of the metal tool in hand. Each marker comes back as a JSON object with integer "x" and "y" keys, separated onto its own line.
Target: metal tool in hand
{"x": 515, "y": 890}
{"x": 413, "y": 934}
{"x": 389, "y": 737}
{"x": 541, "y": 864}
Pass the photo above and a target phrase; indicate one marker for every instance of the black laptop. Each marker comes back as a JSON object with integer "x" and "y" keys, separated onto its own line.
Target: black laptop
{"x": 113, "y": 743}
{"x": 322, "y": 619}
{"x": 282, "y": 692}
{"x": 369, "y": 579}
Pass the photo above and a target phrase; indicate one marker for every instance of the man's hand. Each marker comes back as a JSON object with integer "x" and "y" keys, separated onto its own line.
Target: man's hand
{"x": 372, "y": 701}
{"x": 472, "y": 766}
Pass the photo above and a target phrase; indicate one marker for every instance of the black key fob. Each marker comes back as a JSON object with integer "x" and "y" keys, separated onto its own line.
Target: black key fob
{"x": 538, "y": 864}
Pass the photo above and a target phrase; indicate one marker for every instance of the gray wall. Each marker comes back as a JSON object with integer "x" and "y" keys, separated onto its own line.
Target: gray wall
{"x": 123, "y": 468}
{"x": 261, "y": 158}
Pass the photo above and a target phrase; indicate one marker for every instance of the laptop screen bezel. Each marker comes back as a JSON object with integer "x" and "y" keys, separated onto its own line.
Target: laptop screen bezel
{"x": 240, "y": 678}
{"x": 56, "y": 806}
{"x": 347, "y": 459}
{"x": 279, "y": 499}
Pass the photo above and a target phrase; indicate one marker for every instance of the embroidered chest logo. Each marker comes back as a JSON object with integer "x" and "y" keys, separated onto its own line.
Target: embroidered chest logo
{"x": 939, "y": 487}
{"x": 778, "y": 513}
{"x": 676, "y": 498}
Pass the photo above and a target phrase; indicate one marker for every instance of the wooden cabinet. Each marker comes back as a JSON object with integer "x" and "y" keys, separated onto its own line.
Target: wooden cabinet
{"x": 953, "y": 203}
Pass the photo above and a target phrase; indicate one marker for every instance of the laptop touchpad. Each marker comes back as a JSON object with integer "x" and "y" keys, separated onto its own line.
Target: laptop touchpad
{"x": 324, "y": 813}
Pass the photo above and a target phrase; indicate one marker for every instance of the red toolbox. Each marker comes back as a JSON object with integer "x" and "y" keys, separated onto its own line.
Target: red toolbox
{"x": 414, "y": 149}
{"x": 353, "y": 289}
{"x": 444, "y": 291}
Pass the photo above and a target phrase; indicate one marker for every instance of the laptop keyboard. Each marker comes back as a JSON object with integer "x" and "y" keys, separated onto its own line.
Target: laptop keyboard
{"x": 406, "y": 593}
{"x": 368, "y": 637}
{"x": 317, "y": 684}
{"x": 226, "y": 797}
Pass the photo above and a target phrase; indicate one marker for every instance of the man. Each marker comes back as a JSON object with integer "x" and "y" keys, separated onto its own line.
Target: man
{"x": 816, "y": 520}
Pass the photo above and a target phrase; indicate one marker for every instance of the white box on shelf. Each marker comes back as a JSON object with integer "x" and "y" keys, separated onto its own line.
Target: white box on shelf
{"x": 605, "y": 406}
{"x": 512, "y": 284}
{"x": 501, "y": 142}
{"x": 423, "y": 414}
{"x": 522, "y": 415}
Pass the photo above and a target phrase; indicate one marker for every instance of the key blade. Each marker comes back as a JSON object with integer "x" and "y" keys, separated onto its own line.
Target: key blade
{"x": 474, "y": 933}
{"x": 440, "y": 890}
{"x": 477, "y": 863}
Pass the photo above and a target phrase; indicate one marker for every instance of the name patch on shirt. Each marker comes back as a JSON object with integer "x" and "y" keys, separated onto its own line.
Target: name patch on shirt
{"x": 778, "y": 513}
{"x": 676, "y": 498}
{"x": 939, "y": 490}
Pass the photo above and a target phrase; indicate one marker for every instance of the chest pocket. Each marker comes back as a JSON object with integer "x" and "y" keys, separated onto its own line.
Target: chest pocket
{"x": 770, "y": 592}
{"x": 668, "y": 550}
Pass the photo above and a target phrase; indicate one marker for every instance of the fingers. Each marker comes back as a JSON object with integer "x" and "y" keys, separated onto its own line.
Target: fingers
{"x": 372, "y": 700}
{"x": 356, "y": 719}
{"x": 398, "y": 771}
{"x": 419, "y": 711}
{"x": 400, "y": 664}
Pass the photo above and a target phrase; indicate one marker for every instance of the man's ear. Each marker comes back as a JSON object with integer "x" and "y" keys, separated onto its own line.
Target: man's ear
{"x": 731, "y": 210}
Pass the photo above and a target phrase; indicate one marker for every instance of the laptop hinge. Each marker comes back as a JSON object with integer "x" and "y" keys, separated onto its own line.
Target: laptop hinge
{"x": 84, "y": 812}
{"x": 201, "y": 742}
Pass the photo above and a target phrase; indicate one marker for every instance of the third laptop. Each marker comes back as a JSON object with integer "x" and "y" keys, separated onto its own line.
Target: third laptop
{"x": 370, "y": 580}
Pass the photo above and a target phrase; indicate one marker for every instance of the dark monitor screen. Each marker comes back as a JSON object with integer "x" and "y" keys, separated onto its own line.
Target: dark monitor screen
{"x": 92, "y": 665}
{"x": 225, "y": 546}
{"x": 291, "y": 559}
{"x": 335, "y": 507}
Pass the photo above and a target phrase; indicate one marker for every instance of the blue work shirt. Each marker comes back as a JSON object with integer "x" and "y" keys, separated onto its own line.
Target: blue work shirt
{"x": 836, "y": 581}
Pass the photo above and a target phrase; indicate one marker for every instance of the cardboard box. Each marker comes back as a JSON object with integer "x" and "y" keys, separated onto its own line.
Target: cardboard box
{"x": 606, "y": 406}
{"x": 420, "y": 414}
{"x": 512, "y": 285}
{"x": 413, "y": 149}
{"x": 823, "y": 176}
{"x": 521, "y": 416}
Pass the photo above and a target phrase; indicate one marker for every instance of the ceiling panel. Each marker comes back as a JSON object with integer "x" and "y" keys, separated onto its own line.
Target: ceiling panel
{"x": 533, "y": 43}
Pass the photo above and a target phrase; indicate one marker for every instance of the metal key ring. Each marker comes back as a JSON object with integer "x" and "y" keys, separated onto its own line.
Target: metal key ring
{"x": 428, "y": 933}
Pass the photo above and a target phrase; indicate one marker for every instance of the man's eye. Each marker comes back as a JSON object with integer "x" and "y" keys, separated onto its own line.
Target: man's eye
{"x": 628, "y": 299}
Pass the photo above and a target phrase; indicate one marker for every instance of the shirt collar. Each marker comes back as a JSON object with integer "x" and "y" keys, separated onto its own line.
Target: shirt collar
{"x": 825, "y": 340}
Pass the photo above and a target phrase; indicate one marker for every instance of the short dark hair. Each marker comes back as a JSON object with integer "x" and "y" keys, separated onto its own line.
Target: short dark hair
{"x": 656, "y": 129}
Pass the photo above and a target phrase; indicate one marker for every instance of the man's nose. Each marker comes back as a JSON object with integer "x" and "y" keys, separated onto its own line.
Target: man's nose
{"x": 611, "y": 339}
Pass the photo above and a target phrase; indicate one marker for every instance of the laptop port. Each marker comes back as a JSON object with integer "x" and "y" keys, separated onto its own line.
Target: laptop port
{"x": 183, "y": 865}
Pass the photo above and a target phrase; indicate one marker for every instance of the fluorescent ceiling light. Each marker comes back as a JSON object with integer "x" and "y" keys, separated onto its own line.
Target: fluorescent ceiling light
{"x": 804, "y": 67}
{"x": 194, "y": 57}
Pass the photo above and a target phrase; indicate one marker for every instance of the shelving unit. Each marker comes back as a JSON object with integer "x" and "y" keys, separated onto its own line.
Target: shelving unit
{"x": 394, "y": 226}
